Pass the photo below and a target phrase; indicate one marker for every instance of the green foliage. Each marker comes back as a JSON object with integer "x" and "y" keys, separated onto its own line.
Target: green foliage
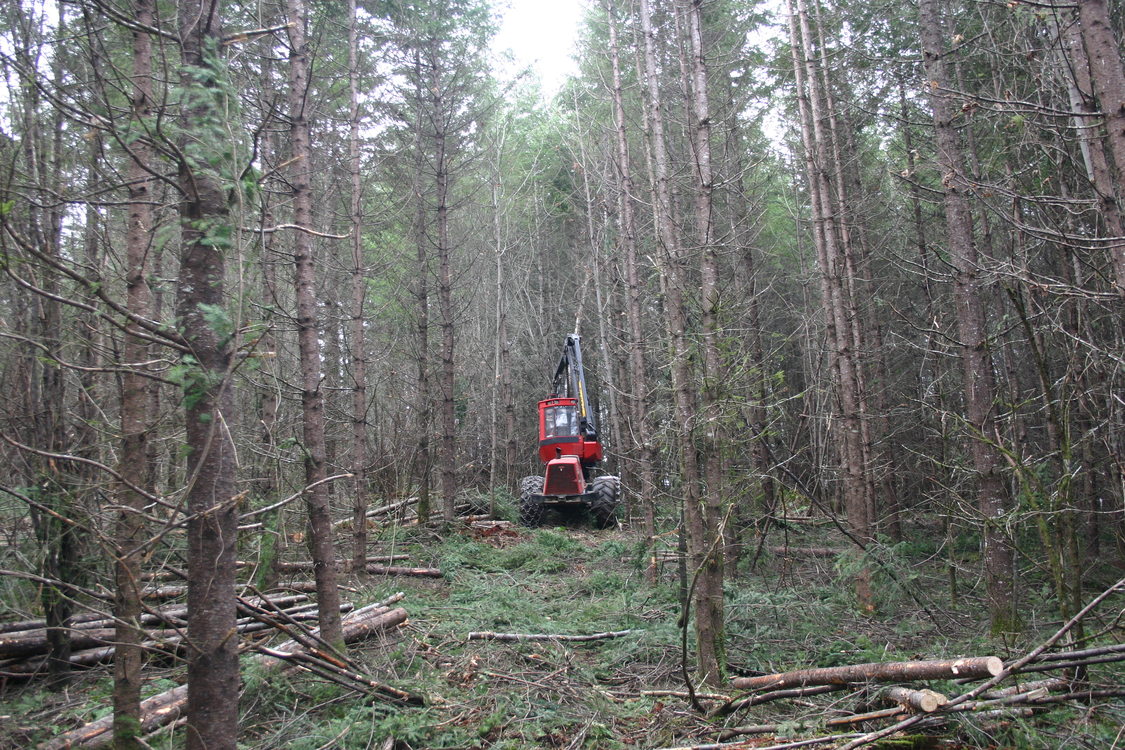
{"x": 194, "y": 380}
{"x": 218, "y": 320}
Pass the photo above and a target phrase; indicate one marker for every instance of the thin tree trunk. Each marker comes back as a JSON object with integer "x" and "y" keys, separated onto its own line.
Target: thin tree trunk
{"x": 834, "y": 287}
{"x": 445, "y": 308}
{"x": 676, "y": 321}
{"x": 59, "y": 529}
{"x": 709, "y": 597}
{"x": 308, "y": 331}
{"x": 1107, "y": 77}
{"x": 424, "y": 400}
{"x": 976, "y": 361}
{"x": 358, "y": 329}
{"x": 644, "y": 453}
{"x": 136, "y": 400}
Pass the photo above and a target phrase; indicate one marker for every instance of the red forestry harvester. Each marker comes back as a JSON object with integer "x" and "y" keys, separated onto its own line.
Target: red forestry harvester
{"x": 568, "y": 444}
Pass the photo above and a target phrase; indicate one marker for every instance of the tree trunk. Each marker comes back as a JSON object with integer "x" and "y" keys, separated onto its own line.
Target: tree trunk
{"x": 1107, "y": 77}
{"x": 136, "y": 402}
{"x": 676, "y": 320}
{"x": 445, "y": 308}
{"x": 643, "y": 454}
{"x": 976, "y": 361}
{"x": 358, "y": 328}
{"x": 212, "y": 531}
{"x": 424, "y": 401}
{"x": 837, "y": 302}
{"x": 709, "y": 546}
{"x": 308, "y": 330}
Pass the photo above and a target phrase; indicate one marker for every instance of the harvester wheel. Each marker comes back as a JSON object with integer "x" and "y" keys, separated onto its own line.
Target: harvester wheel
{"x": 603, "y": 505}
{"x": 531, "y": 507}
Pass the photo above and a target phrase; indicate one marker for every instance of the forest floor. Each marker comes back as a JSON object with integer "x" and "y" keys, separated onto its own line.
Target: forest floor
{"x": 789, "y": 611}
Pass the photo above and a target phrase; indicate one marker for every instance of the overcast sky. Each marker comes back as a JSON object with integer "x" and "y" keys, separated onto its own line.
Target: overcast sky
{"x": 541, "y": 34}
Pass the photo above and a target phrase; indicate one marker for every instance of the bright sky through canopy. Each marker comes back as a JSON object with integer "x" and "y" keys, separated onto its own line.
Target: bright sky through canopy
{"x": 541, "y": 34}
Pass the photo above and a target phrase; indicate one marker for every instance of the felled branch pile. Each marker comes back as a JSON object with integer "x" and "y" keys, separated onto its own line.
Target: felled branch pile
{"x": 404, "y": 511}
{"x": 383, "y": 512}
{"x": 303, "y": 650}
{"x": 898, "y": 701}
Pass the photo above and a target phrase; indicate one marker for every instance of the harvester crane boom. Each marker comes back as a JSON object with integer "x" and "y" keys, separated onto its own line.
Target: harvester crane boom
{"x": 570, "y": 374}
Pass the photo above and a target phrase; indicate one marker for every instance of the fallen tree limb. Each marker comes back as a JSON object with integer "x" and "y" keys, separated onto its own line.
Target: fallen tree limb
{"x": 773, "y": 695}
{"x": 490, "y": 636}
{"x": 684, "y": 694}
{"x": 176, "y": 615}
{"x": 838, "y": 721}
{"x": 804, "y": 551}
{"x": 380, "y": 511}
{"x": 783, "y": 746}
{"x": 900, "y": 671}
{"x": 302, "y": 566}
{"x": 1050, "y": 684}
{"x": 157, "y": 642}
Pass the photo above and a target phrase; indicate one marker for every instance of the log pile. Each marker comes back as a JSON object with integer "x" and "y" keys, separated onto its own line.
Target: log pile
{"x": 23, "y": 645}
{"x": 303, "y": 650}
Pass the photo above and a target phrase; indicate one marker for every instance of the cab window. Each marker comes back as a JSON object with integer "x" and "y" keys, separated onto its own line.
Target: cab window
{"x": 560, "y": 421}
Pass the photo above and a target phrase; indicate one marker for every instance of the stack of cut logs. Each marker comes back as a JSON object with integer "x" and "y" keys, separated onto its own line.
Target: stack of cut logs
{"x": 23, "y": 645}
{"x": 283, "y": 614}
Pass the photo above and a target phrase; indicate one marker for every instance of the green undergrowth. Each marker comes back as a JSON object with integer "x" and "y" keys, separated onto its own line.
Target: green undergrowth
{"x": 784, "y": 612}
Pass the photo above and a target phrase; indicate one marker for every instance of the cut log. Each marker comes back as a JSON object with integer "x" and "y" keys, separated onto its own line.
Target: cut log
{"x": 155, "y": 712}
{"x": 91, "y": 639}
{"x": 165, "y": 592}
{"x": 926, "y": 701}
{"x": 391, "y": 570}
{"x": 898, "y": 671}
{"x": 345, "y": 565}
{"x": 31, "y": 642}
{"x": 489, "y": 636}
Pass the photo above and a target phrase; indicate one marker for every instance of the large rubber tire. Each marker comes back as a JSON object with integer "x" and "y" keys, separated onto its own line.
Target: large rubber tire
{"x": 531, "y": 508}
{"x": 603, "y": 505}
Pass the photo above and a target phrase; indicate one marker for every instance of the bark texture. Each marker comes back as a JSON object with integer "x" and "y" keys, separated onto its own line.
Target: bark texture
{"x": 308, "y": 329}
{"x": 978, "y": 380}
{"x": 1107, "y": 77}
{"x": 212, "y": 700}
{"x": 137, "y": 394}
